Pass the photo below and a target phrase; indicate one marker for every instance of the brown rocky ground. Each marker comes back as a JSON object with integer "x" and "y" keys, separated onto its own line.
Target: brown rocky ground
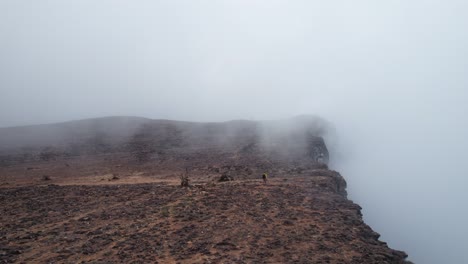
{"x": 289, "y": 220}
{"x": 89, "y": 199}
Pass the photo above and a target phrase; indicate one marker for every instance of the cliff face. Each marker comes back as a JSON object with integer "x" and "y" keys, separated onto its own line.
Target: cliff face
{"x": 123, "y": 203}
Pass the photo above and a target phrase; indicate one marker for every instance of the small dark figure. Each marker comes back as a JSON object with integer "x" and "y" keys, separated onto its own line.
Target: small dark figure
{"x": 265, "y": 177}
{"x": 46, "y": 178}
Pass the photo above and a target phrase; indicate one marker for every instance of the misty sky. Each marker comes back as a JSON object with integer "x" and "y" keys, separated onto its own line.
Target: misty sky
{"x": 391, "y": 75}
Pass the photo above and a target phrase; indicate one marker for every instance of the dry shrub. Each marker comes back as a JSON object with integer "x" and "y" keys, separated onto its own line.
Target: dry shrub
{"x": 184, "y": 179}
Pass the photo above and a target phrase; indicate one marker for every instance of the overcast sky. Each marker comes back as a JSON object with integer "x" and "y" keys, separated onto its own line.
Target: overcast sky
{"x": 391, "y": 75}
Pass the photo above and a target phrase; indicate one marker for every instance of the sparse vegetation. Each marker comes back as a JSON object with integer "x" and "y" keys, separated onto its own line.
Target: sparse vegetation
{"x": 154, "y": 221}
{"x": 165, "y": 211}
{"x": 148, "y": 217}
{"x": 184, "y": 179}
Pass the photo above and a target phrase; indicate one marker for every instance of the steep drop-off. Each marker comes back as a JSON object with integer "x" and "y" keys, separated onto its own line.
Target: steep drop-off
{"x": 107, "y": 191}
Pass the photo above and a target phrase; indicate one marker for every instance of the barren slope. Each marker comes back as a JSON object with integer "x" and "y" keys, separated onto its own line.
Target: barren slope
{"x": 117, "y": 199}
{"x": 290, "y": 220}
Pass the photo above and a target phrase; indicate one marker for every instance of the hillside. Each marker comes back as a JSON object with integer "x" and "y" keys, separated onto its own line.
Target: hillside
{"x": 118, "y": 198}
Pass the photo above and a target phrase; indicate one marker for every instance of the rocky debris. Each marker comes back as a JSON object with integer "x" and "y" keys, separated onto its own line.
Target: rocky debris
{"x": 45, "y": 178}
{"x": 9, "y": 254}
{"x": 294, "y": 221}
{"x": 117, "y": 198}
{"x": 339, "y": 185}
{"x": 225, "y": 177}
{"x": 114, "y": 177}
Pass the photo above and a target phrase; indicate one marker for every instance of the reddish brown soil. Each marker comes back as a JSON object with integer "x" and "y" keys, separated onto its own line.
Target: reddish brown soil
{"x": 97, "y": 200}
{"x": 289, "y": 220}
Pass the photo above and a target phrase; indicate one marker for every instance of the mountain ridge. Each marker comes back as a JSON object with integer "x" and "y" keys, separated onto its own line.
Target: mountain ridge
{"x": 116, "y": 196}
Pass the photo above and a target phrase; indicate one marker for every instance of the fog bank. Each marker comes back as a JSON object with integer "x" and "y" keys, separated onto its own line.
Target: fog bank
{"x": 408, "y": 175}
{"x": 391, "y": 76}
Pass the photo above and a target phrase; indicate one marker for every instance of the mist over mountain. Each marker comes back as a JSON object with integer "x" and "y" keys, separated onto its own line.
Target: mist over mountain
{"x": 219, "y": 203}
{"x": 290, "y": 139}
{"x": 390, "y": 78}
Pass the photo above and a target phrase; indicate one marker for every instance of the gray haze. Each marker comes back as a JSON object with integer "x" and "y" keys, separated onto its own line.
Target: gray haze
{"x": 392, "y": 76}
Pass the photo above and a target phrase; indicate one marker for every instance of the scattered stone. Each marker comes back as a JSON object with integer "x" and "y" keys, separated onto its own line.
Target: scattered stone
{"x": 46, "y": 178}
